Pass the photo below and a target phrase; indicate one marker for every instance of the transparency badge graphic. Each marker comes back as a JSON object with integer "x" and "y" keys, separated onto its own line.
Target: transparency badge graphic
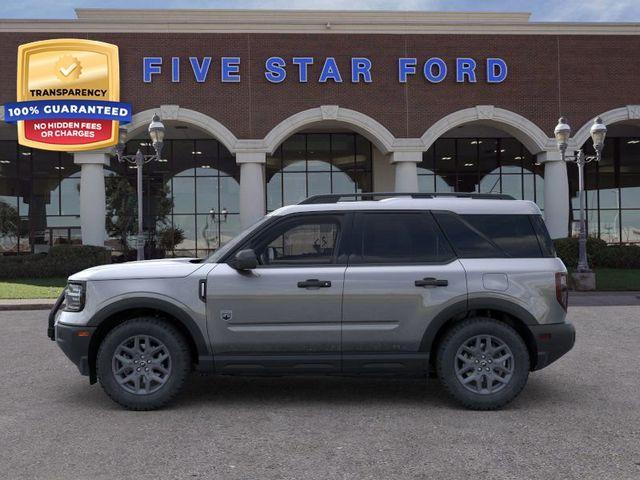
{"x": 68, "y": 95}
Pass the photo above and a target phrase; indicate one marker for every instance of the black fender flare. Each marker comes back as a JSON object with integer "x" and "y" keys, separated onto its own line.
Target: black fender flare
{"x": 461, "y": 309}
{"x": 175, "y": 311}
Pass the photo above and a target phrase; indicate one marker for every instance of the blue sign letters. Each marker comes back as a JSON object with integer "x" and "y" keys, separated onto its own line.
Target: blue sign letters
{"x": 327, "y": 70}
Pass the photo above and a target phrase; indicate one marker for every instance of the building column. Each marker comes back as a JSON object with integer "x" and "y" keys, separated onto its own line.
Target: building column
{"x": 93, "y": 207}
{"x": 252, "y": 188}
{"x": 556, "y": 194}
{"x": 406, "y": 169}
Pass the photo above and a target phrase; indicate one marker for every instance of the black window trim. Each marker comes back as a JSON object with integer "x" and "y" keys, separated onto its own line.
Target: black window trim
{"x": 542, "y": 234}
{"x": 356, "y": 258}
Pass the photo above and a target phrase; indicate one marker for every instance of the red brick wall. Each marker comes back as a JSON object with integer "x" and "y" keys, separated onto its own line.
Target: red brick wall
{"x": 577, "y": 76}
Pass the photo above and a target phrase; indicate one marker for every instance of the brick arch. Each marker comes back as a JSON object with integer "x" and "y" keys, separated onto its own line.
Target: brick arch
{"x": 374, "y": 131}
{"x": 527, "y": 132}
{"x": 140, "y": 121}
{"x": 616, "y": 115}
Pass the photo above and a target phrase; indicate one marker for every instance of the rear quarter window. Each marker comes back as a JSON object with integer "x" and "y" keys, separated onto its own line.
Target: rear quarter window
{"x": 497, "y": 236}
{"x": 513, "y": 234}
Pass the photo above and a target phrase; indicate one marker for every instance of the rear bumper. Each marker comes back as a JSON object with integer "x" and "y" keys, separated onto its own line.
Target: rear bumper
{"x": 552, "y": 342}
{"x": 74, "y": 342}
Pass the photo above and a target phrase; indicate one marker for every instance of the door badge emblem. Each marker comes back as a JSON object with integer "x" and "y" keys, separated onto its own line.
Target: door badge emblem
{"x": 226, "y": 315}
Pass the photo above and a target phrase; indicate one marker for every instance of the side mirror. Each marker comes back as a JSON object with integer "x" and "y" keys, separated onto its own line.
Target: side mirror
{"x": 244, "y": 260}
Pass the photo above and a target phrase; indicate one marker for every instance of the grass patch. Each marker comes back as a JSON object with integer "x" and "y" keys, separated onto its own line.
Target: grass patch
{"x": 27, "y": 288}
{"x": 617, "y": 279}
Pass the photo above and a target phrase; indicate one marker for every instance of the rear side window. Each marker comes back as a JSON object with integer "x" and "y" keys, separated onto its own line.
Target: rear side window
{"x": 399, "y": 237}
{"x": 514, "y": 234}
{"x": 468, "y": 241}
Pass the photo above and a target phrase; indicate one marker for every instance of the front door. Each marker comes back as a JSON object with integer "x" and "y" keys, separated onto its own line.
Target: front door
{"x": 285, "y": 314}
{"x": 401, "y": 275}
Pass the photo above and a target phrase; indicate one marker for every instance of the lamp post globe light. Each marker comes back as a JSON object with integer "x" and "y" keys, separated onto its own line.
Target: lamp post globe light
{"x": 156, "y": 133}
{"x": 562, "y": 133}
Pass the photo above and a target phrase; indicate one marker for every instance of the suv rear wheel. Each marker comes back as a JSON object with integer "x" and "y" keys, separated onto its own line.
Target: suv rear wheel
{"x": 143, "y": 363}
{"x": 483, "y": 363}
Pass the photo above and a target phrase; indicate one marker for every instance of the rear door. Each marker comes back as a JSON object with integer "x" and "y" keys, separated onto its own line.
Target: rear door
{"x": 401, "y": 275}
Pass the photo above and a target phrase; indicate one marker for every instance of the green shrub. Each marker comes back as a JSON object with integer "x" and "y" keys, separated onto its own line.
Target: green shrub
{"x": 599, "y": 254}
{"x": 61, "y": 261}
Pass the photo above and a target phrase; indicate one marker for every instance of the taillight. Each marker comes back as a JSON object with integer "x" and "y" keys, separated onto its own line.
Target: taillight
{"x": 562, "y": 290}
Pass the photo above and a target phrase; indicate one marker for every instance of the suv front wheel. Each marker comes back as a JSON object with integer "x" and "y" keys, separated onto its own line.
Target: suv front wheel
{"x": 143, "y": 363}
{"x": 483, "y": 363}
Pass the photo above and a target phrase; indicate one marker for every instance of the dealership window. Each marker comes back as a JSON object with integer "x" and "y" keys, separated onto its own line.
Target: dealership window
{"x": 486, "y": 165}
{"x": 195, "y": 188}
{"x": 39, "y": 199}
{"x": 612, "y": 192}
{"x": 315, "y": 163}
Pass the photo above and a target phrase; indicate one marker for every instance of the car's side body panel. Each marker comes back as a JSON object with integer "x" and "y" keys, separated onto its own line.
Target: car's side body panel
{"x": 264, "y": 310}
{"x": 528, "y": 283}
{"x": 384, "y": 311}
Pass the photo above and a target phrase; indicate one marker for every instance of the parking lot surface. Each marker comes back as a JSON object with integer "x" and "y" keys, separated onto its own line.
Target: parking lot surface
{"x": 579, "y": 418}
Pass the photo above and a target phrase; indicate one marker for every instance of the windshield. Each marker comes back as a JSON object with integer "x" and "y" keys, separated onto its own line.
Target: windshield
{"x": 235, "y": 241}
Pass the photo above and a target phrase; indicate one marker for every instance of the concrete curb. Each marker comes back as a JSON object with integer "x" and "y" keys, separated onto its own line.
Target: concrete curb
{"x": 30, "y": 304}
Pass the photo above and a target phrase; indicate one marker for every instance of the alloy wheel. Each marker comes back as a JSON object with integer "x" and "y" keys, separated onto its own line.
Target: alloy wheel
{"x": 484, "y": 364}
{"x": 141, "y": 364}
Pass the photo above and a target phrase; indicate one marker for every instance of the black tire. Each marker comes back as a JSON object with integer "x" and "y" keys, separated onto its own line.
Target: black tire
{"x": 451, "y": 369}
{"x": 179, "y": 367}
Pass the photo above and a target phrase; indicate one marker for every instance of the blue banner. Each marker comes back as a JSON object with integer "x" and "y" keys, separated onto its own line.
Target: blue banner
{"x": 67, "y": 109}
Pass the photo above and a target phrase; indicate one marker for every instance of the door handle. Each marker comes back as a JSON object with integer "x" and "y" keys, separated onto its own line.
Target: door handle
{"x": 314, "y": 283}
{"x": 431, "y": 282}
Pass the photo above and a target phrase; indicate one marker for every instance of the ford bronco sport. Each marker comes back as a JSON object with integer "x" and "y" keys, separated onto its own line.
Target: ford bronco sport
{"x": 467, "y": 287}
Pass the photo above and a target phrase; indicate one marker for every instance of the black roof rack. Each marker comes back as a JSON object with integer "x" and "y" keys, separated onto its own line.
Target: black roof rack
{"x": 337, "y": 197}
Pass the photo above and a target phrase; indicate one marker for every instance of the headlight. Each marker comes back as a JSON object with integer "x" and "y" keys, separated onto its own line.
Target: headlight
{"x": 74, "y": 297}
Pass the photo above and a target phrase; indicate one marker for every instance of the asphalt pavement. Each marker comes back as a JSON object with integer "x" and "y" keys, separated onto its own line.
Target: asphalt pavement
{"x": 579, "y": 418}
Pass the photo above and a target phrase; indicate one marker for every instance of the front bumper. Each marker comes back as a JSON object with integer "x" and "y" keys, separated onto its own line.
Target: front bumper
{"x": 552, "y": 342}
{"x": 74, "y": 342}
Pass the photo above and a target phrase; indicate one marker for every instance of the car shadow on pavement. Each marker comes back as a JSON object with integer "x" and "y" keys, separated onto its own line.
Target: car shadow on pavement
{"x": 261, "y": 392}
{"x": 407, "y": 392}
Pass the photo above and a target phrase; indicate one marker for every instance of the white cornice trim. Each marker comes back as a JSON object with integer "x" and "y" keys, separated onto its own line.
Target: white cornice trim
{"x": 309, "y": 21}
{"x": 298, "y": 16}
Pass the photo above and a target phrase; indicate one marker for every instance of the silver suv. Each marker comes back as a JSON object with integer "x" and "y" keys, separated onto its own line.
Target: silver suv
{"x": 466, "y": 287}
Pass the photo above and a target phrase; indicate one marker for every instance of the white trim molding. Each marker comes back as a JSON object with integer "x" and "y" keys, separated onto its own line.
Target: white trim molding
{"x": 199, "y": 21}
{"x": 622, "y": 114}
{"x": 374, "y": 131}
{"x": 140, "y": 121}
{"x": 531, "y": 136}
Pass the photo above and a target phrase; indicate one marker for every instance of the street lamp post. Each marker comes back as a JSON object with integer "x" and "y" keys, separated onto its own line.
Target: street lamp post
{"x": 562, "y": 133}
{"x": 156, "y": 133}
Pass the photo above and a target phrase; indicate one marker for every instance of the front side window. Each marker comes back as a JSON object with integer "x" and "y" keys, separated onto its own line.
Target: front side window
{"x": 305, "y": 242}
{"x": 402, "y": 238}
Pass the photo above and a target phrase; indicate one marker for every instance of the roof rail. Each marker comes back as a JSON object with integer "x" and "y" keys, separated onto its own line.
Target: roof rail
{"x": 337, "y": 197}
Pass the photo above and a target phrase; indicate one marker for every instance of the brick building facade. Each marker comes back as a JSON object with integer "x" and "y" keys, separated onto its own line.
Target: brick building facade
{"x": 275, "y": 136}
